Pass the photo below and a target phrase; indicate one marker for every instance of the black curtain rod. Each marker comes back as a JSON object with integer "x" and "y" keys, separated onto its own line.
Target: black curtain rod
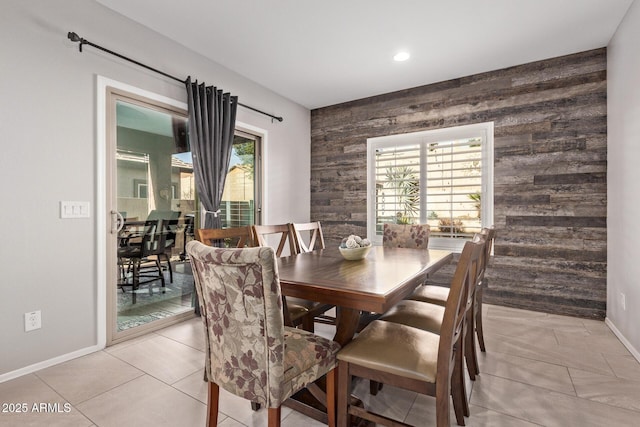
{"x": 74, "y": 37}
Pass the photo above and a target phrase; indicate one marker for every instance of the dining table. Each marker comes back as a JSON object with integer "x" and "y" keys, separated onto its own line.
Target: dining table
{"x": 357, "y": 288}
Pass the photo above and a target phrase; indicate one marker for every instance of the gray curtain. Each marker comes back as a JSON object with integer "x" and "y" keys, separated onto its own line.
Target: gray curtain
{"x": 212, "y": 121}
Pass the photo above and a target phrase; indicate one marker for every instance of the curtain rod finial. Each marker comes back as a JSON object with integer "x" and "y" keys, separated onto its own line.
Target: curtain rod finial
{"x": 74, "y": 37}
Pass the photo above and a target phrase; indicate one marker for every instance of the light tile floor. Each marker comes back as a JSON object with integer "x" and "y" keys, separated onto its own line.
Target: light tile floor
{"x": 539, "y": 369}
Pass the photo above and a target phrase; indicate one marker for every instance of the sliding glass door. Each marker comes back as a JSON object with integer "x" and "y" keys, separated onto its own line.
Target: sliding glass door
{"x": 241, "y": 200}
{"x": 152, "y": 203}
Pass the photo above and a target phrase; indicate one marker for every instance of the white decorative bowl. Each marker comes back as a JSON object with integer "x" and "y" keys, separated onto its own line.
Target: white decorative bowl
{"x": 354, "y": 254}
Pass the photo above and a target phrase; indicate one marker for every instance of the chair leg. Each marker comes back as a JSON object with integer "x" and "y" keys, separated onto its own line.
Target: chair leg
{"x": 170, "y": 276}
{"x": 332, "y": 376}
{"x": 478, "y": 316}
{"x": 458, "y": 389}
{"x": 458, "y": 377}
{"x": 443, "y": 391}
{"x": 169, "y": 268}
{"x": 374, "y": 387}
{"x": 344, "y": 393}
{"x": 286, "y": 313}
{"x": 470, "y": 347}
{"x": 212, "y": 405}
{"x": 274, "y": 417}
{"x": 135, "y": 280}
{"x": 307, "y": 323}
{"x": 471, "y": 357}
{"x": 159, "y": 267}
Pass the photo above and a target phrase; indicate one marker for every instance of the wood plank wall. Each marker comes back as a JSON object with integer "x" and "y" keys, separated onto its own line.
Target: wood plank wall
{"x": 550, "y": 172}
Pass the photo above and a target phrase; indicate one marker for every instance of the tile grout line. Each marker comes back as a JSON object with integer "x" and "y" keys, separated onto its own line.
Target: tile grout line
{"x": 501, "y": 412}
{"x": 63, "y": 398}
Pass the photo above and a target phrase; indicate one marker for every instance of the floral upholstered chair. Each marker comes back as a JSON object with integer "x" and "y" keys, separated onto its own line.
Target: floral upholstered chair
{"x": 250, "y": 352}
{"x": 405, "y": 236}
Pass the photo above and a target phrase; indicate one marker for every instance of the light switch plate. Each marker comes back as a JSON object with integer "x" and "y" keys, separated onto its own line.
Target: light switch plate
{"x": 74, "y": 209}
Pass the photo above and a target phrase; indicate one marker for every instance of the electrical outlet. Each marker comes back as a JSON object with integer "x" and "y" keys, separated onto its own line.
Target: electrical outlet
{"x": 32, "y": 320}
{"x": 623, "y": 301}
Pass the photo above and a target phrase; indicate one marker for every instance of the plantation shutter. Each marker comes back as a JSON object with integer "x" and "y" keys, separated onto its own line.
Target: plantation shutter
{"x": 439, "y": 183}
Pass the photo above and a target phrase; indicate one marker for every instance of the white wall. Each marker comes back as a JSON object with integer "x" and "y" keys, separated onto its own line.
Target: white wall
{"x": 48, "y": 139}
{"x": 623, "y": 184}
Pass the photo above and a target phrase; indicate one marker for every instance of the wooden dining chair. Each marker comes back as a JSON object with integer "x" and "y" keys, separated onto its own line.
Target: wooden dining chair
{"x": 299, "y": 311}
{"x": 169, "y": 227}
{"x": 308, "y": 237}
{"x": 414, "y": 236}
{"x": 412, "y": 358}
{"x": 279, "y": 232}
{"x": 140, "y": 252}
{"x": 235, "y": 237}
{"x": 438, "y": 294}
{"x": 490, "y": 236}
{"x": 430, "y": 317}
{"x": 249, "y": 351}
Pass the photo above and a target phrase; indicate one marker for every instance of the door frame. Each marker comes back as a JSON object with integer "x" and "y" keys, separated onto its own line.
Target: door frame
{"x": 105, "y": 249}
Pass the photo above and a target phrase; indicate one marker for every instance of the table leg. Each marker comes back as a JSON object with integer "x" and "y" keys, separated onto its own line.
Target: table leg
{"x": 347, "y": 322}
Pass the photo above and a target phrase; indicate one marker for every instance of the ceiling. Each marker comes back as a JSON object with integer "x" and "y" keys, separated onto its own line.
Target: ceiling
{"x": 324, "y": 52}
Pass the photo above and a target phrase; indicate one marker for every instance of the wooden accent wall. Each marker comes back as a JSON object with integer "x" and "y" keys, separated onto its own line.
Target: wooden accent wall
{"x": 550, "y": 172}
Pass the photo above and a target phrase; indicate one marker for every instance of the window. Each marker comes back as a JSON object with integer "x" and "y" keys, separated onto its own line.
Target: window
{"x": 441, "y": 177}
{"x": 141, "y": 189}
{"x": 241, "y": 199}
{"x": 241, "y": 202}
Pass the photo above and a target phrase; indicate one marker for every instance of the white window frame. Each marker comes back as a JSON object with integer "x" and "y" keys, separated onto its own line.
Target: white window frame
{"x": 483, "y": 130}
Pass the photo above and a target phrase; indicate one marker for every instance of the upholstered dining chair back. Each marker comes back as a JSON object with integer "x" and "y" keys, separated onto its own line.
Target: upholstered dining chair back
{"x": 310, "y": 232}
{"x": 405, "y": 236}
{"x": 242, "y": 310}
{"x": 249, "y": 351}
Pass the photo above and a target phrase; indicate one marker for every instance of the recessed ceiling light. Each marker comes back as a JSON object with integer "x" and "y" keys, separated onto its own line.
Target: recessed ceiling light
{"x": 401, "y": 56}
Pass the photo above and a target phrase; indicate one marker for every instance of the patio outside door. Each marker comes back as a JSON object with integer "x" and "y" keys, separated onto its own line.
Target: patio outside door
{"x": 151, "y": 195}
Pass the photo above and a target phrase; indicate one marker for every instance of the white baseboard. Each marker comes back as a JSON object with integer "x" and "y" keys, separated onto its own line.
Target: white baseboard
{"x": 47, "y": 363}
{"x": 635, "y": 353}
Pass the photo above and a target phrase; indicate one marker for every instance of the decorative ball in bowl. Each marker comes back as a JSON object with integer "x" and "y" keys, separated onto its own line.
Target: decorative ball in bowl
{"x": 354, "y": 247}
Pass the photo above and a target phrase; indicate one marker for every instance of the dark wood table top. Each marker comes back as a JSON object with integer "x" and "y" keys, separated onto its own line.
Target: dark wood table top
{"x": 375, "y": 284}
